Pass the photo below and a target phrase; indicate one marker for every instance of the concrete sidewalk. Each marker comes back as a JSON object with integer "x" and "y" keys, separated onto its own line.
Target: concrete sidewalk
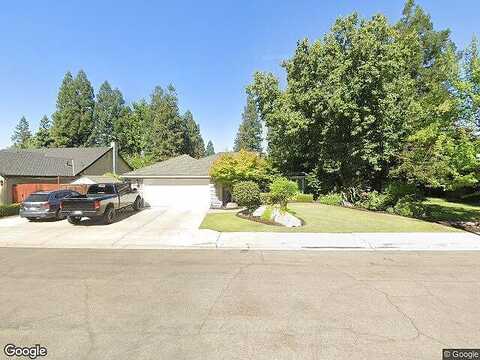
{"x": 350, "y": 241}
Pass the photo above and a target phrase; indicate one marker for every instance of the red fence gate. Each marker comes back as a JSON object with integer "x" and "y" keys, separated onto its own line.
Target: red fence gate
{"x": 21, "y": 191}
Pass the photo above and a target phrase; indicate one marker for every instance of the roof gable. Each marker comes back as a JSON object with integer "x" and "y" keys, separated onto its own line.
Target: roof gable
{"x": 48, "y": 161}
{"x": 180, "y": 166}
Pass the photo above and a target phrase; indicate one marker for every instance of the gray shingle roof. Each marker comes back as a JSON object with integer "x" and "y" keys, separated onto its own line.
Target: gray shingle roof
{"x": 183, "y": 165}
{"x": 48, "y": 161}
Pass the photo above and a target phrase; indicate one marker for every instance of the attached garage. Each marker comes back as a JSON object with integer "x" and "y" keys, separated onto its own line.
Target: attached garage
{"x": 181, "y": 182}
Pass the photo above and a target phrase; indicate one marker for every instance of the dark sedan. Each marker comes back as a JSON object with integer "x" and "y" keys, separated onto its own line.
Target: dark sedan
{"x": 45, "y": 204}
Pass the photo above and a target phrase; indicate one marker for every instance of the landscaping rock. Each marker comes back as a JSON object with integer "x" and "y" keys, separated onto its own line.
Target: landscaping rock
{"x": 259, "y": 212}
{"x": 285, "y": 218}
{"x": 231, "y": 205}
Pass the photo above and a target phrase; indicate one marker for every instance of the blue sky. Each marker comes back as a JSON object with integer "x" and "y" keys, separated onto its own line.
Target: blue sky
{"x": 208, "y": 50}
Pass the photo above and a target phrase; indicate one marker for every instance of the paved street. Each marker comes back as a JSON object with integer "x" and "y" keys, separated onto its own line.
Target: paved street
{"x": 214, "y": 304}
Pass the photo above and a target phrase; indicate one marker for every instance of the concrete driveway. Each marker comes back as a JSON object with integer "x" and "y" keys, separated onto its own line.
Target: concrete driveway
{"x": 151, "y": 227}
{"x": 216, "y": 304}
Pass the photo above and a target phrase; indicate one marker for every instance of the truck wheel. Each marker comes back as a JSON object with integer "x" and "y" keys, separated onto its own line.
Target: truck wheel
{"x": 75, "y": 220}
{"x": 137, "y": 204}
{"x": 109, "y": 215}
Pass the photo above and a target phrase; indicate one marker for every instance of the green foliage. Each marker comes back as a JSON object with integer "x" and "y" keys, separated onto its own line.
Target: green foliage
{"x": 376, "y": 201}
{"x": 249, "y": 135}
{"x": 267, "y": 214}
{"x": 22, "y": 136}
{"x": 109, "y": 108}
{"x": 331, "y": 199}
{"x": 265, "y": 198}
{"x": 247, "y": 193}
{"x": 230, "y": 168}
{"x": 410, "y": 206}
{"x": 8, "y": 210}
{"x": 168, "y": 130}
{"x": 134, "y": 131}
{"x": 193, "y": 142}
{"x": 138, "y": 161}
{"x": 209, "y": 150}
{"x": 73, "y": 119}
{"x": 43, "y": 136}
{"x": 282, "y": 191}
{"x": 335, "y": 115}
{"x": 371, "y": 101}
{"x": 440, "y": 158}
{"x": 304, "y": 198}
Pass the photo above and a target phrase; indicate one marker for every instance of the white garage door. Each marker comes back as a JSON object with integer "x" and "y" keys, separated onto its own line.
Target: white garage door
{"x": 177, "y": 196}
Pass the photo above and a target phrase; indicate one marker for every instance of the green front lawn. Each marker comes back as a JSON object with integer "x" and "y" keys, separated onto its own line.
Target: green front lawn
{"x": 444, "y": 210}
{"x": 325, "y": 218}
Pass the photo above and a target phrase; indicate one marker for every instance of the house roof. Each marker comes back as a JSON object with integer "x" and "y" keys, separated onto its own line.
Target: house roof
{"x": 48, "y": 161}
{"x": 180, "y": 166}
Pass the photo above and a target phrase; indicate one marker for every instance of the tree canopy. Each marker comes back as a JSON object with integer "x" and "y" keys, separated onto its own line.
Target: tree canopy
{"x": 22, "y": 136}
{"x": 372, "y": 101}
{"x": 249, "y": 135}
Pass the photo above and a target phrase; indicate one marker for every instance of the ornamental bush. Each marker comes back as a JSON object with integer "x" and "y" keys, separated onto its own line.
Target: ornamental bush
{"x": 7, "y": 210}
{"x": 410, "y": 206}
{"x": 282, "y": 191}
{"x": 247, "y": 193}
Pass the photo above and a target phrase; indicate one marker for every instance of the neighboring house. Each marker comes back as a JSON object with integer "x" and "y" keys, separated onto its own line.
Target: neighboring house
{"x": 181, "y": 182}
{"x": 25, "y": 171}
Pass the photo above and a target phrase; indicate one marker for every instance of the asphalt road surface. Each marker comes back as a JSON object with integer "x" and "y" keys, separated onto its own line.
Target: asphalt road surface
{"x": 212, "y": 304}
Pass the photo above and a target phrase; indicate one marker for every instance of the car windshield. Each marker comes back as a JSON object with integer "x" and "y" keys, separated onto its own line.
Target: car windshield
{"x": 37, "y": 198}
{"x": 101, "y": 189}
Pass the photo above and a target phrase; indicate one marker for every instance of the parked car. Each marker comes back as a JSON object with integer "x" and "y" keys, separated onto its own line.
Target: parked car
{"x": 45, "y": 204}
{"x": 101, "y": 201}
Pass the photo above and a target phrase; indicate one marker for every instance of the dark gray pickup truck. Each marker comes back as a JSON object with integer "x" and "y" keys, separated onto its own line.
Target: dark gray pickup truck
{"x": 101, "y": 201}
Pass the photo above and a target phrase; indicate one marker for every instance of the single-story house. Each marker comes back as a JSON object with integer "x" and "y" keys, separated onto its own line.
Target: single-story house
{"x": 181, "y": 182}
{"x": 23, "y": 171}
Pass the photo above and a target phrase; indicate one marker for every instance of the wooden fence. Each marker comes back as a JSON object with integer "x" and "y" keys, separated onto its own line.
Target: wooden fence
{"x": 21, "y": 191}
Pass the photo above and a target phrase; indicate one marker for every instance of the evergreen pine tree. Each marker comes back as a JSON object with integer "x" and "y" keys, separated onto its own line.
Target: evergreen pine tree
{"x": 43, "y": 136}
{"x": 209, "y": 149}
{"x": 168, "y": 128}
{"x": 109, "y": 107}
{"x": 194, "y": 145}
{"x": 22, "y": 136}
{"x": 249, "y": 135}
{"x": 73, "y": 119}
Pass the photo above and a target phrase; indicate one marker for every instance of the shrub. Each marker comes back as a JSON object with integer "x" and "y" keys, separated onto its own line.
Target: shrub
{"x": 331, "y": 199}
{"x": 282, "y": 191}
{"x": 7, "y": 210}
{"x": 397, "y": 190}
{"x": 231, "y": 168}
{"x": 265, "y": 199}
{"x": 410, "y": 206}
{"x": 304, "y": 198}
{"x": 376, "y": 201}
{"x": 247, "y": 193}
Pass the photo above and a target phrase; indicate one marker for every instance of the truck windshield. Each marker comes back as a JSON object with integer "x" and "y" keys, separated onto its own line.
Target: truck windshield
{"x": 101, "y": 189}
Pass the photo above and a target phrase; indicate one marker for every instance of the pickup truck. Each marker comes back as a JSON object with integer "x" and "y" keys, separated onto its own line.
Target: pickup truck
{"x": 101, "y": 201}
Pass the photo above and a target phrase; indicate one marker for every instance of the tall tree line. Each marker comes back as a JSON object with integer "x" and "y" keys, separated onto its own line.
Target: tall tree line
{"x": 371, "y": 102}
{"x": 145, "y": 131}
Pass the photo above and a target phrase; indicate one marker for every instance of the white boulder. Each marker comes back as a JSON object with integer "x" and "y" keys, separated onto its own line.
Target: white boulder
{"x": 285, "y": 218}
{"x": 259, "y": 212}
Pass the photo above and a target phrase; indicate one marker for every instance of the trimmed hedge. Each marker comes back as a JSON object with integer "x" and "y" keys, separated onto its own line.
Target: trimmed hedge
{"x": 247, "y": 193}
{"x": 8, "y": 210}
{"x": 304, "y": 198}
